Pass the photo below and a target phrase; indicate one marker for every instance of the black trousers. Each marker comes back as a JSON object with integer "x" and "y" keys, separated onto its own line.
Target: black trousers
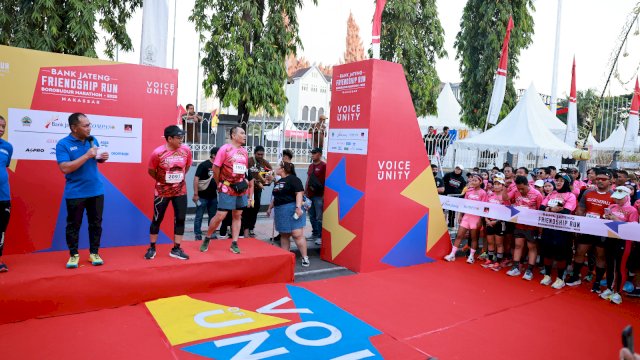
{"x": 614, "y": 249}
{"x": 5, "y": 213}
{"x": 160, "y": 205}
{"x": 250, "y": 215}
{"x": 75, "y": 212}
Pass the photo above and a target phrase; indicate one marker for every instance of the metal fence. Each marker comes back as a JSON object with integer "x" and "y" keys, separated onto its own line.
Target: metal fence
{"x": 272, "y": 133}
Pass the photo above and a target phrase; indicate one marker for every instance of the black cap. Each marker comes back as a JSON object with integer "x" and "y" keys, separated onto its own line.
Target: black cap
{"x": 173, "y": 130}
{"x": 316, "y": 150}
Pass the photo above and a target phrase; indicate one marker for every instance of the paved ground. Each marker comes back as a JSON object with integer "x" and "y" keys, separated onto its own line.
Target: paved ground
{"x": 319, "y": 268}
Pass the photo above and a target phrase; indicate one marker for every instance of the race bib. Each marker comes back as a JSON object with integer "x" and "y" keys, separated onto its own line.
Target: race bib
{"x": 173, "y": 177}
{"x": 593, "y": 215}
{"x": 239, "y": 168}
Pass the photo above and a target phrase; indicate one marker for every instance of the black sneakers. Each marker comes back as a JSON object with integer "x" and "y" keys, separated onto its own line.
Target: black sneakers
{"x": 151, "y": 253}
{"x": 178, "y": 254}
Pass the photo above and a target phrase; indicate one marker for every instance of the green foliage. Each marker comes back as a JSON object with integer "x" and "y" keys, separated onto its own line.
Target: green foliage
{"x": 479, "y": 46}
{"x": 245, "y": 45}
{"x": 413, "y": 36}
{"x": 67, "y": 26}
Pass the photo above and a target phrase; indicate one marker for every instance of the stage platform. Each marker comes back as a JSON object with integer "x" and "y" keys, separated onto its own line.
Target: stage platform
{"x": 442, "y": 310}
{"x": 38, "y": 285}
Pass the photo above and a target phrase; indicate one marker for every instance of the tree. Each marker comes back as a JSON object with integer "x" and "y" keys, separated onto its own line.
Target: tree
{"x": 245, "y": 46}
{"x": 67, "y": 27}
{"x": 411, "y": 35}
{"x": 354, "y": 50}
{"x": 479, "y": 45}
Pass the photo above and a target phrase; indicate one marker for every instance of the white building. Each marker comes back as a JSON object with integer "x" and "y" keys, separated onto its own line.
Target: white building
{"x": 309, "y": 95}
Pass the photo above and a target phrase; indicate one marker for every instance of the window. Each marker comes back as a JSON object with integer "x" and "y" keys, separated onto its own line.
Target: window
{"x": 305, "y": 113}
{"x": 314, "y": 88}
{"x": 323, "y": 90}
{"x": 320, "y": 112}
{"x": 313, "y": 114}
{"x": 305, "y": 87}
{"x": 314, "y": 74}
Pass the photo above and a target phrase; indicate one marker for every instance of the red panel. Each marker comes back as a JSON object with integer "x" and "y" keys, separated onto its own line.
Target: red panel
{"x": 38, "y": 285}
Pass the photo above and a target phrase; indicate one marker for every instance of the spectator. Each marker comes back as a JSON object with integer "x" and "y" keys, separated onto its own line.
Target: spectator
{"x": 287, "y": 156}
{"x": 430, "y": 141}
{"x": 438, "y": 180}
{"x": 289, "y": 217}
{"x": 318, "y": 132}
{"x": 454, "y": 182}
{"x": 258, "y": 169}
{"x": 314, "y": 190}
{"x": 205, "y": 193}
{"x": 191, "y": 124}
{"x": 552, "y": 171}
{"x": 442, "y": 141}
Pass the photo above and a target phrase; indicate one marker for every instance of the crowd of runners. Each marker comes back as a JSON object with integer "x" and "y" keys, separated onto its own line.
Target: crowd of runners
{"x": 559, "y": 257}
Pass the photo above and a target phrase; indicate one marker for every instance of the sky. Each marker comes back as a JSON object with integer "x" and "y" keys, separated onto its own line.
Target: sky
{"x": 589, "y": 31}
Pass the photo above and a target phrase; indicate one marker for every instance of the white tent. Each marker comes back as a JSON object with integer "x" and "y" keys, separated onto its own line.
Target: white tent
{"x": 448, "y": 112}
{"x": 614, "y": 141}
{"x": 276, "y": 133}
{"x": 522, "y": 131}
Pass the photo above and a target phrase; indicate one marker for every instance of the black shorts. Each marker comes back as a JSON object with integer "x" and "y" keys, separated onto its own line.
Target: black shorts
{"x": 499, "y": 229}
{"x": 529, "y": 234}
{"x": 593, "y": 240}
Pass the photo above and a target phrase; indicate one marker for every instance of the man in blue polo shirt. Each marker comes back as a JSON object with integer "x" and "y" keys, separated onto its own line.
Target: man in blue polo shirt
{"x": 6, "y": 150}
{"x": 78, "y": 158}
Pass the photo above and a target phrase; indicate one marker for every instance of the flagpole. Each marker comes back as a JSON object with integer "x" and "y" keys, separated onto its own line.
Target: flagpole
{"x": 556, "y": 55}
{"x": 173, "y": 52}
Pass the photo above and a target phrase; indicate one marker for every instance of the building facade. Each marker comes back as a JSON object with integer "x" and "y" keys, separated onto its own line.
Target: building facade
{"x": 309, "y": 95}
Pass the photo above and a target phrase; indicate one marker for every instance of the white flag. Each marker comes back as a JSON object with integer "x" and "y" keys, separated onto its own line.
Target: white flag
{"x": 631, "y": 137}
{"x": 155, "y": 29}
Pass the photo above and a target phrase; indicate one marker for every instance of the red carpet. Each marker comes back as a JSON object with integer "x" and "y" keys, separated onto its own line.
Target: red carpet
{"x": 450, "y": 311}
{"x": 39, "y": 285}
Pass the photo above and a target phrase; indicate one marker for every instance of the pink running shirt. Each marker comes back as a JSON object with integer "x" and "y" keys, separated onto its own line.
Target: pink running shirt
{"x": 568, "y": 198}
{"x": 171, "y": 167}
{"x": 233, "y": 164}
{"x": 476, "y": 194}
{"x": 627, "y": 212}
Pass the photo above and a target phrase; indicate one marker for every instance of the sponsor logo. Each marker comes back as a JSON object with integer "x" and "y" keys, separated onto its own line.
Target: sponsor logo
{"x": 119, "y": 153}
{"x": 73, "y": 148}
{"x": 26, "y": 121}
{"x": 161, "y": 88}
{"x": 53, "y": 151}
{"x": 34, "y": 150}
{"x": 128, "y": 128}
{"x": 52, "y": 121}
{"x": 104, "y": 143}
{"x": 52, "y": 141}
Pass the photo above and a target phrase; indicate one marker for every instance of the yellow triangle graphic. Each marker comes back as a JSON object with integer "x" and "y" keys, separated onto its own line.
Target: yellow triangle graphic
{"x": 423, "y": 191}
{"x": 184, "y": 319}
{"x": 611, "y": 234}
{"x": 340, "y": 236}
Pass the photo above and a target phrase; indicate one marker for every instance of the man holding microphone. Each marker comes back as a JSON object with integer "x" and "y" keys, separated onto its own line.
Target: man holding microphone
{"x": 78, "y": 158}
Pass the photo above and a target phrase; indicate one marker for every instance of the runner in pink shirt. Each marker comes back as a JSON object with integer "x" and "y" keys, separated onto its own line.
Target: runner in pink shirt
{"x": 234, "y": 191}
{"x": 469, "y": 222}
{"x": 616, "y": 248}
{"x": 168, "y": 166}
{"x": 526, "y": 197}
{"x": 495, "y": 229}
{"x": 556, "y": 243}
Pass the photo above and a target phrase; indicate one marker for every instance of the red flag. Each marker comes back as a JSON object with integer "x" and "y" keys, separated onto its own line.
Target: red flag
{"x": 180, "y": 111}
{"x": 631, "y": 136}
{"x": 377, "y": 21}
{"x": 500, "y": 82}
{"x": 572, "y": 95}
{"x": 504, "y": 59}
{"x": 571, "y": 135}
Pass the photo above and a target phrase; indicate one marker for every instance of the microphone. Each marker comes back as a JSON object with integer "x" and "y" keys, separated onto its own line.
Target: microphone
{"x": 90, "y": 139}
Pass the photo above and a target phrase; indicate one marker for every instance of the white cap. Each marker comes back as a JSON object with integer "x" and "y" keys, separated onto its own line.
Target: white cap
{"x": 621, "y": 192}
{"x": 539, "y": 183}
{"x": 460, "y": 167}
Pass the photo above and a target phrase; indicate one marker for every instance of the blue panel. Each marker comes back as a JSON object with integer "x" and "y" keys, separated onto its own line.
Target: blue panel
{"x": 123, "y": 224}
{"x": 412, "y": 248}
{"x": 353, "y": 333}
{"x": 348, "y": 196}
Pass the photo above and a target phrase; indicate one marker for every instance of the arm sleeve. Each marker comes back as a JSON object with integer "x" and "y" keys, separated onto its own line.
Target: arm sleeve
{"x": 544, "y": 203}
{"x": 583, "y": 202}
{"x": 538, "y": 200}
{"x": 10, "y": 154}
{"x": 154, "y": 161}
{"x": 633, "y": 215}
{"x": 570, "y": 202}
{"x": 297, "y": 184}
{"x": 189, "y": 160}
{"x": 62, "y": 155}
{"x": 219, "y": 160}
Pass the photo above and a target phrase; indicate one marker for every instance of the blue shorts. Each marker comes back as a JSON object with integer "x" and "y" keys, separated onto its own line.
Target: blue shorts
{"x": 284, "y": 221}
{"x": 228, "y": 202}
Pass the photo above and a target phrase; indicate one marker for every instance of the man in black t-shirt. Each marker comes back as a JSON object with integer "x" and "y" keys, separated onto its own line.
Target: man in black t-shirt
{"x": 204, "y": 193}
{"x": 439, "y": 181}
{"x": 454, "y": 182}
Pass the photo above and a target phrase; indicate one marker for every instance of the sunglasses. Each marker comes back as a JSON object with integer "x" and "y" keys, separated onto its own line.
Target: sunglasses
{"x": 602, "y": 178}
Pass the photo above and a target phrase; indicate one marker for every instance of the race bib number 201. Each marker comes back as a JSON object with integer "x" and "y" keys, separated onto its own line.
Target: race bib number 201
{"x": 174, "y": 177}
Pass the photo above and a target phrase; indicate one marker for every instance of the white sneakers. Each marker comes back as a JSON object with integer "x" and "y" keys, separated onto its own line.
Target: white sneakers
{"x": 450, "y": 257}
{"x": 514, "y": 271}
{"x": 546, "y": 281}
{"x": 611, "y": 296}
{"x": 558, "y": 284}
{"x": 470, "y": 259}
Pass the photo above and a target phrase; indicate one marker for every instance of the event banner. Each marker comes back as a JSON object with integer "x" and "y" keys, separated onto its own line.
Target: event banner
{"x": 543, "y": 219}
{"x": 128, "y": 106}
{"x": 34, "y": 135}
{"x": 380, "y": 203}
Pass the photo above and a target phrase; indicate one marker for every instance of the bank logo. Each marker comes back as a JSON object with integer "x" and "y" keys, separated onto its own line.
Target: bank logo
{"x": 51, "y": 121}
{"x": 26, "y": 121}
{"x": 34, "y": 150}
{"x": 324, "y": 331}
